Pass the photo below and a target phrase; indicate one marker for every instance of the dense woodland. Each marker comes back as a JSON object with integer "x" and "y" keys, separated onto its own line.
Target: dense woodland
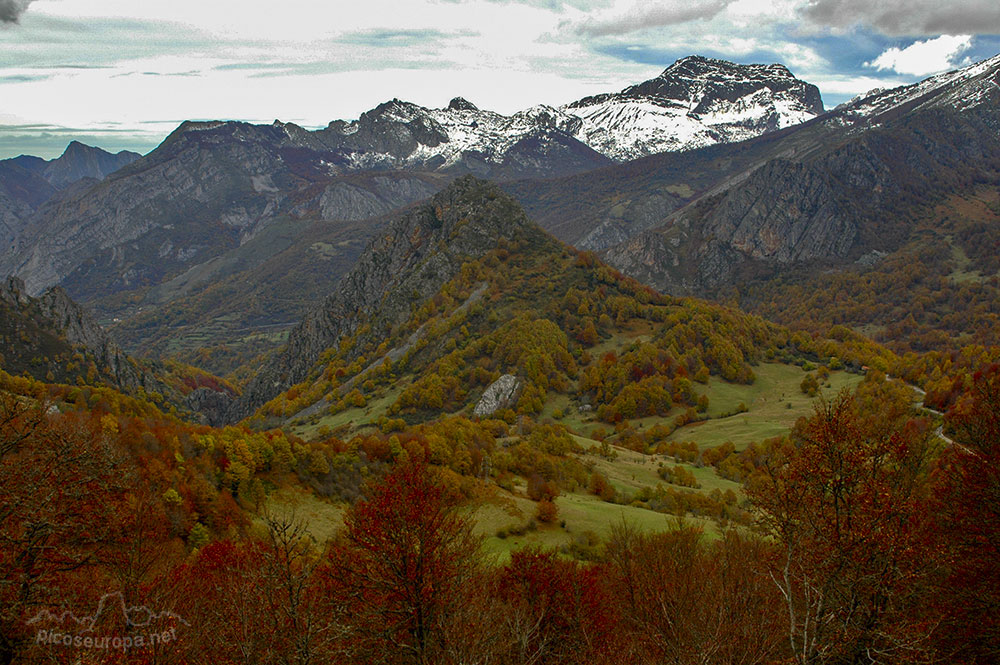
{"x": 871, "y": 541}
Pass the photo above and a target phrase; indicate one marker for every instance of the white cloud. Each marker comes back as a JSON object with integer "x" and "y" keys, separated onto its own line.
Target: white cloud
{"x": 923, "y": 57}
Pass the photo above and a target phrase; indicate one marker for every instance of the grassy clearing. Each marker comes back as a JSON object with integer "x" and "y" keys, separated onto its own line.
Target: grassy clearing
{"x": 630, "y": 471}
{"x": 774, "y": 403}
{"x": 962, "y": 264}
{"x": 322, "y": 518}
{"x": 580, "y": 512}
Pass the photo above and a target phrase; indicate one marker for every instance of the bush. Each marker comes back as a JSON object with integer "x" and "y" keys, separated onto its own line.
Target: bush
{"x": 547, "y": 512}
{"x": 600, "y": 486}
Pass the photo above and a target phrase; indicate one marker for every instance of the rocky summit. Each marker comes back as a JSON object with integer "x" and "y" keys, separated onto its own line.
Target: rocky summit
{"x": 695, "y": 102}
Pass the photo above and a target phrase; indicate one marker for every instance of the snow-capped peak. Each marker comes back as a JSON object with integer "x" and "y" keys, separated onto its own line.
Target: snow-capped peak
{"x": 695, "y": 102}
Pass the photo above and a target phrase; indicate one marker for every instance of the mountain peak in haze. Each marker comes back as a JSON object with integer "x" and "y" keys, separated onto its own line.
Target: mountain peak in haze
{"x": 80, "y": 160}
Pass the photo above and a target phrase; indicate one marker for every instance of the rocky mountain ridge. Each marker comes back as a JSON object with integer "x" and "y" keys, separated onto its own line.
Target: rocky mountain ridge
{"x": 695, "y": 102}
{"x": 402, "y": 266}
{"x": 55, "y": 323}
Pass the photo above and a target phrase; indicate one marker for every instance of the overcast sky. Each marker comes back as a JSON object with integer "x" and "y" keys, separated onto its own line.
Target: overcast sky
{"x": 124, "y": 73}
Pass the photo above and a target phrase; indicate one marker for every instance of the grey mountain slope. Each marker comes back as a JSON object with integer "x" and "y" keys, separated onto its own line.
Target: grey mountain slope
{"x": 404, "y": 264}
{"x": 833, "y": 202}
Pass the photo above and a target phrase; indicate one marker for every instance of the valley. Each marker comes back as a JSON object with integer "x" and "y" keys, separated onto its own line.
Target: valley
{"x": 688, "y": 372}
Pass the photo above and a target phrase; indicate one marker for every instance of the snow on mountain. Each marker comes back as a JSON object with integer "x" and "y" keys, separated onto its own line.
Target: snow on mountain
{"x": 959, "y": 89}
{"x": 695, "y": 102}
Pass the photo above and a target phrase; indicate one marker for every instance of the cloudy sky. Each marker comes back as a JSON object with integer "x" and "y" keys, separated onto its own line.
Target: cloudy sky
{"x": 123, "y": 73}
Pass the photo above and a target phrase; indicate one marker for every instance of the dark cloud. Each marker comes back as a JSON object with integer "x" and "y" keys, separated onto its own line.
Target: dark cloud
{"x": 11, "y": 10}
{"x": 652, "y": 15}
{"x": 909, "y": 17}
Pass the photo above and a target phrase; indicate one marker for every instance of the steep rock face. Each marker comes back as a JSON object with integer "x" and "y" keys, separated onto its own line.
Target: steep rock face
{"x": 22, "y": 190}
{"x": 81, "y": 329}
{"x": 55, "y": 314}
{"x": 210, "y": 404}
{"x": 694, "y": 103}
{"x": 347, "y": 201}
{"x": 405, "y": 264}
{"x": 784, "y": 212}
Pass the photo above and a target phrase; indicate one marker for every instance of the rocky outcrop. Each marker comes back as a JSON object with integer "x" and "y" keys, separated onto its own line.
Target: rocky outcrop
{"x": 211, "y": 405}
{"x": 402, "y": 266}
{"x": 501, "y": 394}
{"x": 348, "y": 201}
{"x": 55, "y": 312}
{"x": 784, "y": 212}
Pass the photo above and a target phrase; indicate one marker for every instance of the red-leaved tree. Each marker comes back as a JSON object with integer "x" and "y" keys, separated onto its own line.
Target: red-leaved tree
{"x": 846, "y": 499}
{"x": 402, "y": 567}
{"x": 970, "y": 512}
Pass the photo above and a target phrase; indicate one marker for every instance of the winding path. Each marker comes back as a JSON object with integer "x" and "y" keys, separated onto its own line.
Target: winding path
{"x": 940, "y": 428}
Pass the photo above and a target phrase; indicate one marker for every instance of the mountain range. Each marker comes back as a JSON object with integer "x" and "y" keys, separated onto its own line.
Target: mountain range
{"x": 149, "y": 222}
{"x": 26, "y": 182}
{"x": 684, "y": 328}
{"x": 710, "y": 175}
